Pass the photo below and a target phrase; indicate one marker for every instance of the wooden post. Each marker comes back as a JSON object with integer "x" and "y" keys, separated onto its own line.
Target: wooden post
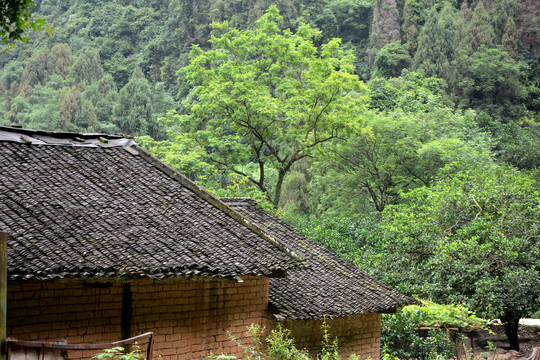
{"x": 3, "y": 294}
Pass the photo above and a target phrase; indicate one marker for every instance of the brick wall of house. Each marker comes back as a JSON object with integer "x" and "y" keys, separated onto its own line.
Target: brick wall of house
{"x": 359, "y": 334}
{"x": 189, "y": 318}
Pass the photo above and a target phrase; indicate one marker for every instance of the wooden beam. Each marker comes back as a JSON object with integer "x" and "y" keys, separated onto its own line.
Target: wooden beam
{"x": 3, "y": 294}
{"x": 55, "y": 345}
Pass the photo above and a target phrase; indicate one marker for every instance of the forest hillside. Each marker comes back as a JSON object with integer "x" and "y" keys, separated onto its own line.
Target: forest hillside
{"x": 403, "y": 134}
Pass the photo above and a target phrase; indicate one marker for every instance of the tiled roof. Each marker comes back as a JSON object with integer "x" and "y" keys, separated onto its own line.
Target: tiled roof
{"x": 99, "y": 206}
{"x": 332, "y": 287}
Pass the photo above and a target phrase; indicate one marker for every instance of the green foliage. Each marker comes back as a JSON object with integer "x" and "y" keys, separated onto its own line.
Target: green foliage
{"x": 253, "y": 351}
{"x": 410, "y": 25}
{"x": 406, "y": 148}
{"x": 391, "y": 60}
{"x": 280, "y": 345}
{"x": 438, "y": 42}
{"x": 400, "y": 339}
{"x": 16, "y": 18}
{"x": 412, "y": 92}
{"x": 270, "y": 97}
{"x": 470, "y": 238}
{"x": 353, "y": 20}
{"x": 481, "y": 30}
{"x": 459, "y": 316}
{"x": 119, "y": 353}
{"x": 491, "y": 81}
{"x": 350, "y": 238}
{"x": 330, "y": 346}
{"x": 69, "y": 103}
{"x": 87, "y": 69}
{"x": 510, "y": 39}
{"x": 504, "y": 12}
{"x": 519, "y": 144}
{"x": 138, "y": 107}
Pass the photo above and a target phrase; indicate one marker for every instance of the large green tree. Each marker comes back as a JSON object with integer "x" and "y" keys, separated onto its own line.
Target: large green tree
{"x": 265, "y": 98}
{"x": 473, "y": 238}
{"x": 134, "y": 109}
{"x": 491, "y": 81}
{"x": 404, "y": 144}
{"x": 438, "y": 42}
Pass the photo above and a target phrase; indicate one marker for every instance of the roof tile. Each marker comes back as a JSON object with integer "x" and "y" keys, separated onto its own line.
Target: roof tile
{"x": 330, "y": 287}
{"x": 102, "y": 211}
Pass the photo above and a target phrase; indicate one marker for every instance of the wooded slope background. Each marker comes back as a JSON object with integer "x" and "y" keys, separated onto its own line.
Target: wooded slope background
{"x": 427, "y": 175}
{"x": 105, "y": 56}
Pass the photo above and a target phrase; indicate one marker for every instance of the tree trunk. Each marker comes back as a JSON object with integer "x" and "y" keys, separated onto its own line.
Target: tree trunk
{"x": 511, "y": 325}
{"x": 279, "y": 184}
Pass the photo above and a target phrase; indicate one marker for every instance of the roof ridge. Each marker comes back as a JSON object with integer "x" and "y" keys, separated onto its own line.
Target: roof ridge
{"x": 335, "y": 288}
{"x": 215, "y": 201}
{"x": 62, "y": 134}
{"x": 53, "y": 138}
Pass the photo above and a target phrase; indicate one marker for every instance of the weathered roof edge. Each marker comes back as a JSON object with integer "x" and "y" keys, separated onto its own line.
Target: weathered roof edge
{"x": 214, "y": 200}
{"x": 279, "y": 316}
{"x": 107, "y": 141}
{"x": 50, "y": 138}
{"x": 62, "y": 134}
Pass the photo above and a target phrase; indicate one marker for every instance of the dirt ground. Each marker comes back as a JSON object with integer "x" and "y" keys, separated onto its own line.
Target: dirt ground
{"x": 529, "y": 339}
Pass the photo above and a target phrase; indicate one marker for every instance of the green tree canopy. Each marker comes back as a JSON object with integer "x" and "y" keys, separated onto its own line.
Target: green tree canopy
{"x": 391, "y": 60}
{"x": 87, "y": 69}
{"x": 133, "y": 111}
{"x": 407, "y": 139}
{"x": 471, "y": 238}
{"x": 492, "y": 81}
{"x": 268, "y": 97}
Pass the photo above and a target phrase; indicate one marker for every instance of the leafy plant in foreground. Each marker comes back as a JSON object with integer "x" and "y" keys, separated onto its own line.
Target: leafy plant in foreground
{"x": 280, "y": 346}
{"x": 118, "y": 353}
{"x": 400, "y": 339}
{"x": 451, "y": 316}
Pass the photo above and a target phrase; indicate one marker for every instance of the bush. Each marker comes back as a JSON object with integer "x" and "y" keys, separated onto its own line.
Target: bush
{"x": 399, "y": 338}
{"x": 450, "y": 316}
{"x": 117, "y": 353}
{"x": 280, "y": 346}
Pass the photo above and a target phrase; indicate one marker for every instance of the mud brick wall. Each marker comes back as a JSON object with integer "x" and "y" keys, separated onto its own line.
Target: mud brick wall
{"x": 189, "y": 318}
{"x": 359, "y": 334}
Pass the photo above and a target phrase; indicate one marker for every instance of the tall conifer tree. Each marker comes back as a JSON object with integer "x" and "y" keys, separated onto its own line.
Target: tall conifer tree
{"x": 481, "y": 28}
{"x": 437, "y": 42}
{"x": 503, "y": 11}
{"x": 62, "y": 59}
{"x": 133, "y": 111}
{"x": 510, "y": 38}
{"x": 410, "y": 27}
{"x": 69, "y": 102}
{"x": 87, "y": 69}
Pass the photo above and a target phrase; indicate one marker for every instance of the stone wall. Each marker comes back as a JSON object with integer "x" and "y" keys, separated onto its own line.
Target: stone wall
{"x": 359, "y": 334}
{"x": 189, "y": 318}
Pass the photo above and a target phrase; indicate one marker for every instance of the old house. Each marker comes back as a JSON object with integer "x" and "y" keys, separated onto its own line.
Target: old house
{"x": 330, "y": 287}
{"x": 106, "y": 242}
